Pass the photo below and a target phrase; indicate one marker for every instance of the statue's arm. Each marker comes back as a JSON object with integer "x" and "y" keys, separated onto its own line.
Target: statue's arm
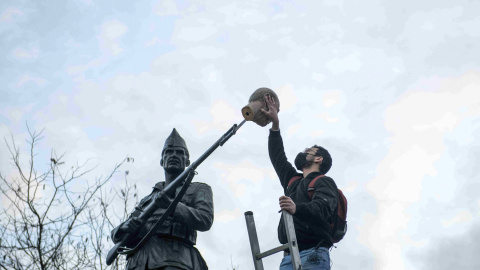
{"x": 131, "y": 223}
{"x": 198, "y": 216}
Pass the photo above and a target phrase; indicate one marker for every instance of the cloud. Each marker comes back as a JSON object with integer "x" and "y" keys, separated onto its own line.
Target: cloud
{"x": 418, "y": 122}
{"x": 222, "y": 113}
{"x": 239, "y": 175}
{"x": 287, "y": 96}
{"x": 454, "y": 252}
{"x": 21, "y": 53}
{"x": 166, "y": 8}
{"x": 242, "y": 13}
{"x": 350, "y": 62}
{"x": 228, "y": 215}
{"x": 206, "y": 52}
{"x": 111, "y": 33}
{"x": 203, "y": 29}
{"x": 10, "y": 14}
{"x": 25, "y": 79}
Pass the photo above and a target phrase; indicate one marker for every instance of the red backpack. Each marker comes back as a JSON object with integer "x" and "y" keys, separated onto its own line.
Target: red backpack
{"x": 339, "y": 223}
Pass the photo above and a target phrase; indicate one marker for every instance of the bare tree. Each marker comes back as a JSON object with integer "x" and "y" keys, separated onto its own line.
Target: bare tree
{"x": 56, "y": 218}
{"x": 103, "y": 219}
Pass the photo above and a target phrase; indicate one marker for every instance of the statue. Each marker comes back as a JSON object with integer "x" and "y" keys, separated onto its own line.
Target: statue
{"x": 253, "y": 110}
{"x": 172, "y": 246}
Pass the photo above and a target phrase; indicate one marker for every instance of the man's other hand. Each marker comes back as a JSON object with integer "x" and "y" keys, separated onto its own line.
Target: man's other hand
{"x": 287, "y": 204}
{"x": 272, "y": 112}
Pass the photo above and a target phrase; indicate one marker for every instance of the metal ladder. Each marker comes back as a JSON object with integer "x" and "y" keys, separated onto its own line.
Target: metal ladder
{"x": 292, "y": 245}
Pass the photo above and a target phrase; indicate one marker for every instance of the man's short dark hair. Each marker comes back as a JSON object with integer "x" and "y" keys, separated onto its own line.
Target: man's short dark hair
{"x": 327, "y": 159}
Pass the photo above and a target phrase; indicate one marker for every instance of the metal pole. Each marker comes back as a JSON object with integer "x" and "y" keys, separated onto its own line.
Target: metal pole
{"x": 292, "y": 240}
{"x": 252, "y": 235}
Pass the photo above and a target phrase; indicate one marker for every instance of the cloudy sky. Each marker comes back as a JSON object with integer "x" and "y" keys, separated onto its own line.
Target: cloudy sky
{"x": 391, "y": 88}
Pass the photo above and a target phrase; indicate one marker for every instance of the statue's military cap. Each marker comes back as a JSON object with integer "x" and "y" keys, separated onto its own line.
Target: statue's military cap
{"x": 175, "y": 140}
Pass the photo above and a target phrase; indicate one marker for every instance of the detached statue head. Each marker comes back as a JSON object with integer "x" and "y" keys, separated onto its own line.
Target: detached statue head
{"x": 252, "y": 111}
{"x": 175, "y": 156}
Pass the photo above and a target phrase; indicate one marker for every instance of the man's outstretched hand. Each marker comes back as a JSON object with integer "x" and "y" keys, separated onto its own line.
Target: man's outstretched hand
{"x": 287, "y": 204}
{"x": 272, "y": 112}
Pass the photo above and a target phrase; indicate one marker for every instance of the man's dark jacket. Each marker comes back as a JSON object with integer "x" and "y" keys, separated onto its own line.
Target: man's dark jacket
{"x": 173, "y": 244}
{"x": 312, "y": 216}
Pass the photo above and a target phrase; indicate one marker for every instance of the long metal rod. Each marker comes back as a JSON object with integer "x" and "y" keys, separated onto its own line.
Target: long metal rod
{"x": 120, "y": 247}
{"x": 252, "y": 236}
{"x": 292, "y": 240}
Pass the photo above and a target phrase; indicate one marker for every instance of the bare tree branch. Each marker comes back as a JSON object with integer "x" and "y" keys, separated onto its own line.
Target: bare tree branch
{"x": 48, "y": 225}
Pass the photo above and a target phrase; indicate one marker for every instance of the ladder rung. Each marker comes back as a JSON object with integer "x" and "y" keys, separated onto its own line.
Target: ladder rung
{"x": 271, "y": 251}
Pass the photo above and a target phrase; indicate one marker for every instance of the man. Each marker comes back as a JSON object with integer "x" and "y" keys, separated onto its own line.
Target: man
{"x": 310, "y": 216}
{"x": 172, "y": 245}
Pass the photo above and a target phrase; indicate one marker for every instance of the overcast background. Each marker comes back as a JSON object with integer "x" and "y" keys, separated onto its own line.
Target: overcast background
{"x": 391, "y": 88}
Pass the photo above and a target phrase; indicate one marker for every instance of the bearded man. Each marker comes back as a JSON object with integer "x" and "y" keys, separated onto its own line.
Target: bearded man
{"x": 309, "y": 214}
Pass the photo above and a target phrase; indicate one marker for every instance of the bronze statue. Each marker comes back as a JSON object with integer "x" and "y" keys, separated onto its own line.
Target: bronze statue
{"x": 172, "y": 246}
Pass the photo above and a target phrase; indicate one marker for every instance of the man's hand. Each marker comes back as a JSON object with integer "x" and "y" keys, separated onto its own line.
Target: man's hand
{"x": 287, "y": 204}
{"x": 272, "y": 112}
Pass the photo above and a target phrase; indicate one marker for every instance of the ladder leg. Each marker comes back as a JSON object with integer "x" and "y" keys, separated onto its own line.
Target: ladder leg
{"x": 292, "y": 240}
{"x": 252, "y": 235}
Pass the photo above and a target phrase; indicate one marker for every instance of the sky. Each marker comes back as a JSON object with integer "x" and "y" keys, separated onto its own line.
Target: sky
{"x": 390, "y": 88}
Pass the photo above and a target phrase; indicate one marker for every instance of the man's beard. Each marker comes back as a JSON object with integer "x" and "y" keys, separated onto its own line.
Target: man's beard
{"x": 307, "y": 165}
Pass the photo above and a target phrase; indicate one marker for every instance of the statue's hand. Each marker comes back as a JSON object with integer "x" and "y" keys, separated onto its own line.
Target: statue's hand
{"x": 131, "y": 225}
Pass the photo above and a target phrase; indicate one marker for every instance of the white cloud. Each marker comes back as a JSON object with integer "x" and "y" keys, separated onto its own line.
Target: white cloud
{"x": 111, "y": 33}
{"x": 351, "y": 62}
{"x": 239, "y": 175}
{"x": 242, "y": 13}
{"x": 222, "y": 113}
{"x": 166, "y": 7}
{"x": 462, "y": 216}
{"x": 228, "y": 215}
{"x": 15, "y": 114}
{"x": 10, "y": 14}
{"x": 206, "y": 52}
{"x": 287, "y": 96}
{"x": 21, "y": 53}
{"x": 418, "y": 121}
{"x": 203, "y": 29}
{"x": 325, "y": 116}
{"x": 25, "y": 79}
{"x": 331, "y": 98}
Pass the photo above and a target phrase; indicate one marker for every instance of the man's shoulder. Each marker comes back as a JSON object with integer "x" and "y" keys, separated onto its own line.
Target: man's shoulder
{"x": 326, "y": 180}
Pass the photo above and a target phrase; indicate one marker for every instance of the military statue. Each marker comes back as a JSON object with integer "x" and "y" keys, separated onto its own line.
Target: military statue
{"x": 173, "y": 244}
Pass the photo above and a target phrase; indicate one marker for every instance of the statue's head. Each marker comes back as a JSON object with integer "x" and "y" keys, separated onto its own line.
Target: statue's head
{"x": 175, "y": 156}
{"x": 256, "y": 102}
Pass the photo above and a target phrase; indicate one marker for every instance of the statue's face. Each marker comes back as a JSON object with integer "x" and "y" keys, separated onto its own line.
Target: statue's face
{"x": 174, "y": 159}
{"x": 259, "y": 117}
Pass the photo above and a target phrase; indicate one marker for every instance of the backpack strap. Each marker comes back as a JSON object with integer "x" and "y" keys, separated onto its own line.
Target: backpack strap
{"x": 311, "y": 186}
{"x": 295, "y": 178}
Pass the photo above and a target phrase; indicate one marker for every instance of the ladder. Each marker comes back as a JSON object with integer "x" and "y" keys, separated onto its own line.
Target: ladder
{"x": 292, "y": 245}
